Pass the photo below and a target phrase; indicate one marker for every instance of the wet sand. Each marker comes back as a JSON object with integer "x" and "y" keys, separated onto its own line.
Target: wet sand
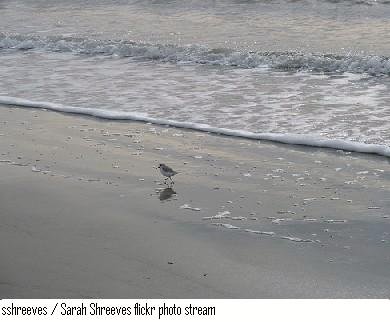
{"x": 84, "y": 213}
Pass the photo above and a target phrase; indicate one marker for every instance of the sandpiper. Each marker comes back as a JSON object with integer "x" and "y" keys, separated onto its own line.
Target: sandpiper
{"x": 167, "y": 172}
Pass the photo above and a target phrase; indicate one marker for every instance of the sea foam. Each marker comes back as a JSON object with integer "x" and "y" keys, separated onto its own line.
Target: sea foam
{"x": 298, "y": 61}
{"x": 295, "y": 139}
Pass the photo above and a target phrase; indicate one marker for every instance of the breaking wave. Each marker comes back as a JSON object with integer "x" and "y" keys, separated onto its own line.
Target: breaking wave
{"x": 295, "y": 61}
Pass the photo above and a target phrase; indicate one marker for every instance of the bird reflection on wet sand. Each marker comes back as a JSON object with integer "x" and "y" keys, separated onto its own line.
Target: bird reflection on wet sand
{"x": 166, "y": 193}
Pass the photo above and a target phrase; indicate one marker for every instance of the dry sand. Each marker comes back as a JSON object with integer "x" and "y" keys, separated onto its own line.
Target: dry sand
{"x": 84, "y": 213}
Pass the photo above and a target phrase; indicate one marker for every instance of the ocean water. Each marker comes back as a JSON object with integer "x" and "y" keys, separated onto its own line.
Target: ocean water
{"x": 314, "y": 72}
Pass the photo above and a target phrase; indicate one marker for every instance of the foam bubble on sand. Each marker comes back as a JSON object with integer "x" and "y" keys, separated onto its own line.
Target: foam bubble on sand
{"x": 228, "y": 226}
{"x": 19, "y": 164}
{"x": 286, "y": 212}
{"x": 279, "y": 220}
{"x": 268, "y": 233}
{"x": 296, "y": 239}
{"x": 252, "y": 231}
{"x": 290, "y": 238}
{"x": 186, "y": 206}
{"x": 296, "y": 139}
{"x": 220, "y": 215}
{"x": 331, "y": 221}
{"x": 309, "y": 199}
{"x": 238, "y": 218}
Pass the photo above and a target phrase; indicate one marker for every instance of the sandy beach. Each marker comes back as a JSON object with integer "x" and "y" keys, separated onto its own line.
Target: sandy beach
{"x": 85, "y": 214}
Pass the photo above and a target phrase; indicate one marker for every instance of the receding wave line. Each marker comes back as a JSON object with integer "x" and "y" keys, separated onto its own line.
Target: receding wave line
{"x": 295, "y": 139}
{"x": 295, "y": 61}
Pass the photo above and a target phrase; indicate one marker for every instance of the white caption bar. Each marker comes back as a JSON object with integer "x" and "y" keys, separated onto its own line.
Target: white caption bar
{"x": 193, "y": 310}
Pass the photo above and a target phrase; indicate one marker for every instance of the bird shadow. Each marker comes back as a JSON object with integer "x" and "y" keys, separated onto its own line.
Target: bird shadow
{"x": 166, "y": 194}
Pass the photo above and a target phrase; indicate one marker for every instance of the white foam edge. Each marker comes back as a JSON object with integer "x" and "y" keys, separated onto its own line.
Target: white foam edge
{"x": 293, "y": 139}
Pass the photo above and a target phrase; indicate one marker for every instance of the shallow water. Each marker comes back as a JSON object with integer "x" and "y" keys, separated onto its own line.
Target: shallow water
{"x": 314, "y": 68}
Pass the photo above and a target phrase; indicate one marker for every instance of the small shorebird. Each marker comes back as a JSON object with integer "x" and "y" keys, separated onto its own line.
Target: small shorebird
{"x": 167, "y": 172}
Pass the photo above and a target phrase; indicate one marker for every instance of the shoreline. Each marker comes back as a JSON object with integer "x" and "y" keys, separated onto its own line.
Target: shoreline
{"x": 290, "y": 139}
{"x": 85, "y": 214}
